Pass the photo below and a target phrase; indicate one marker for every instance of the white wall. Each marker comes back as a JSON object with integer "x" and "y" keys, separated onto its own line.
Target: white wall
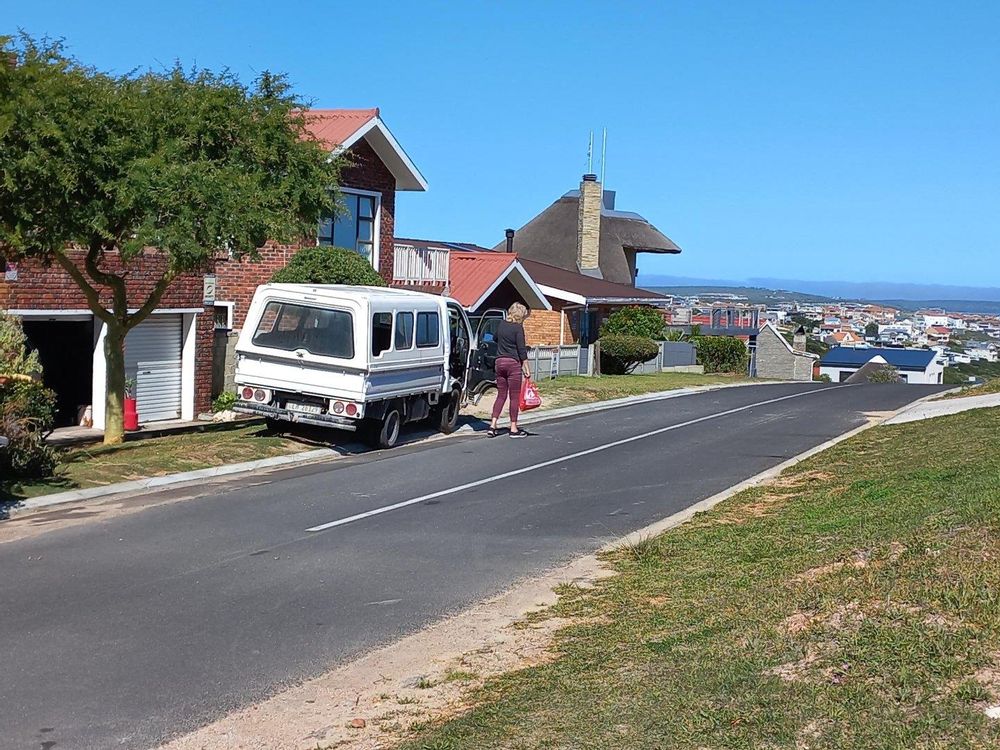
{"x": 189, "y": 333}
{"x": 99, "y": 389}
{"x": 932, "y": 375}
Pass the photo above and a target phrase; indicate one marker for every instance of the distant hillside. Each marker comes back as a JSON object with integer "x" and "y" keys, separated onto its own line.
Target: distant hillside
{"x": 906, "y": 296}
{"x": 981, "y": 307}
{"x": 755, "y": 295}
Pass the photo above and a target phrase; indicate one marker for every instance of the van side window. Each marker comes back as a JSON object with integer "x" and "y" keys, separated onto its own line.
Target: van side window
{"x": 428, "y": 329}
{"x": 404, "y": 331}
{"x": 381, "y": 332}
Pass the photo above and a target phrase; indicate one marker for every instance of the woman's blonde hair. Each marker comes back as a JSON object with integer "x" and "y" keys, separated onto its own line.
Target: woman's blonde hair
{"x": 517, "y": 312}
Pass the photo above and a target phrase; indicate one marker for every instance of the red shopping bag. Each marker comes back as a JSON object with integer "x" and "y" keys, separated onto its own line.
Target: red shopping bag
{"x": 531, "y": 397}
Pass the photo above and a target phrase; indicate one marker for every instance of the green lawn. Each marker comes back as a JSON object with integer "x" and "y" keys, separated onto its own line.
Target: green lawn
{"x": 960, "y": 374}
{"x": 96, "y": 465}
{"x": 854, "y": 603}
{"x": 983, "y": 389}
{"x": 572, "y": 390}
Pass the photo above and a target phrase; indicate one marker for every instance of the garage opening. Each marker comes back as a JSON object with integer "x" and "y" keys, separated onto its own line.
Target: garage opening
{"x": 66, "y": 350}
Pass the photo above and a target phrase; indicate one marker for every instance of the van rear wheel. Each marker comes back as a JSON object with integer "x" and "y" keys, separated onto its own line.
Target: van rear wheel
{"x": 384, "y": 433}
{"x": 446, "y": 412}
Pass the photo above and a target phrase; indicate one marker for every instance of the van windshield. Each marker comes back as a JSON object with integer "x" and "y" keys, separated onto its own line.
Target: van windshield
{"x": 289, "y": 326}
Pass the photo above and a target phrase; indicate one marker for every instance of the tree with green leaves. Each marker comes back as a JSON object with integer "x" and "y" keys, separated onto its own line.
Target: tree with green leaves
{"x": 642, "y": 321}
{"x": 100, "y": 171}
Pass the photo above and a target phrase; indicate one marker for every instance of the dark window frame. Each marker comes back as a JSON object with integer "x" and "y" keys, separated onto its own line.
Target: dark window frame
{"x": 279, "y": 315}
{"x": 389, "y": 338}
{"x": 353, "y": 201}
{"x": 428, "y": 344}
{"x": 398, "y": 329}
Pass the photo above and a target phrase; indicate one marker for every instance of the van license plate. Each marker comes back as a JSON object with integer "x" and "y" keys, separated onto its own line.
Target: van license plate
{"x": 304, "y": 408}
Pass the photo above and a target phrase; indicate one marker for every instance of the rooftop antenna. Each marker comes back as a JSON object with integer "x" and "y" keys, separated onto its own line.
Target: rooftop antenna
{"x": 590, "y": 154}
{"x": 604, "y": 149}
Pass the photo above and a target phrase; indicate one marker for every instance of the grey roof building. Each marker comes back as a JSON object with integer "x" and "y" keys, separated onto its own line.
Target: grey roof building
{"x": 583, "y": 232}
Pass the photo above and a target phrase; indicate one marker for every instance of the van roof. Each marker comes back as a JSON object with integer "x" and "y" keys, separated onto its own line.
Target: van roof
{"x": 367, "y": 293}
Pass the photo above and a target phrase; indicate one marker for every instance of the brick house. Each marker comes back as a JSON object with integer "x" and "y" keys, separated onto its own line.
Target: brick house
{"x": 580, "y": 304}
{"x": 169, "y": 354}
{"x": 377, "y": 168}
{"x": 178, "y": 356}
{"x": 477, "y": 278}
{"x": 566, "y": 306}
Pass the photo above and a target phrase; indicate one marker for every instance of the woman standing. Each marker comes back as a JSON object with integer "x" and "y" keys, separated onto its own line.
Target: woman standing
{"x": 511, "y": 366}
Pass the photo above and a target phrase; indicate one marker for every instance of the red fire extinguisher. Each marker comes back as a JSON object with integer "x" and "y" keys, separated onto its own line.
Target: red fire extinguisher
{"x": 131, "y": 415}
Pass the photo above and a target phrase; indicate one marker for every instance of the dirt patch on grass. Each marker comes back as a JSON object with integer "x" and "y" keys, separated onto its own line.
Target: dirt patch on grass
{"x": 814, "y": 574}
{"x": 796, "y": 670}
{"x": 386, "y": 696}
{"x": 801, "y": 479}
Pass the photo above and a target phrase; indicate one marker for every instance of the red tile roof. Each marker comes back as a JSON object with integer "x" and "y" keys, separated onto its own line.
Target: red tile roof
{"x": 331, "y": 127}
{"x": 472, "y": 274}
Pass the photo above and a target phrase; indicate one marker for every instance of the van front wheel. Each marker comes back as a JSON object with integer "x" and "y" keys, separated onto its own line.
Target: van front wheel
{"x": 385, "y": 432}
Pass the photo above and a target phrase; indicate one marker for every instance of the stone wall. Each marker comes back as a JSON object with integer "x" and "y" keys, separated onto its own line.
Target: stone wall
{"x": 776, "y": 362}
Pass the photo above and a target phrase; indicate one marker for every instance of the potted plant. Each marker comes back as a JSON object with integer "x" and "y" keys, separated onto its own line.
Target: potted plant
{"x": 131, "y": 415}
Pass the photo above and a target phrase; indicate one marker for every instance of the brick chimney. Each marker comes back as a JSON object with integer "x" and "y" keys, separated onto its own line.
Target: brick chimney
{"x": 799, "y": 339}
{"x": 588, "y": 238}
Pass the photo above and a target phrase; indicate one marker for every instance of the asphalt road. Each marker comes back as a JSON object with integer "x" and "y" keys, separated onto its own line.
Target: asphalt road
{"x": 122, "y": 632}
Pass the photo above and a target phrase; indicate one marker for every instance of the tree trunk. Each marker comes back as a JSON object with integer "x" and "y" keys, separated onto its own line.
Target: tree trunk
{"x": 114, "y": 356}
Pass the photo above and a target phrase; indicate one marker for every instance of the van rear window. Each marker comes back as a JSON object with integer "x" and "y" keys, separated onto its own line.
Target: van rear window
{"x": 289, "y": 326}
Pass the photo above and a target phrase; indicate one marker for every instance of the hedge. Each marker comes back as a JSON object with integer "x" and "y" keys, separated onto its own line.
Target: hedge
{"x": 328, "y": 265}
{"x": 722, "y": 354}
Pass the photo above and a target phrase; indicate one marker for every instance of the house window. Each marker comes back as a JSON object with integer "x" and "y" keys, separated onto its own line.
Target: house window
{"x": 355, "y": 227}
{"x": 428, "y": 325}
{"x": 224, "y": 316}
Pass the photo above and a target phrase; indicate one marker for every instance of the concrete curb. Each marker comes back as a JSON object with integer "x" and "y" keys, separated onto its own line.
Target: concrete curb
{"x": 90, "y": 493}
{"x": 326, "y": 454}
{"x": 672, "y": 521}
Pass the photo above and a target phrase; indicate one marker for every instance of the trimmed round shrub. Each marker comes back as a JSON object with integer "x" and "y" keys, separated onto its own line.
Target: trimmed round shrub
{"x": 645, "y": 322}
{"x": 722, "y": 354}
{"x": 620, "y": 355}
{"x": 328, "y": 265}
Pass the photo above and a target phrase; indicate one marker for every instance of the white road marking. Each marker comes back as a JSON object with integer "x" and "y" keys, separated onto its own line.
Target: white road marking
{"x": 562, "y": 459}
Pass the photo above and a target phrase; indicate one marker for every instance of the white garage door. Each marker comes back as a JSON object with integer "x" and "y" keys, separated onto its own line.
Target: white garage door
{"x": 153, "y": 358}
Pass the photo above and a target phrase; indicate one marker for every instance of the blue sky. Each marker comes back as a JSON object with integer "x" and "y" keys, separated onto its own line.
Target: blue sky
{"x": 848, "y": 140}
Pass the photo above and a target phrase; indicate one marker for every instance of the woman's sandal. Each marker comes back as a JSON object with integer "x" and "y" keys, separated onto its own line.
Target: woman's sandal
{"x": 492, "y": 432}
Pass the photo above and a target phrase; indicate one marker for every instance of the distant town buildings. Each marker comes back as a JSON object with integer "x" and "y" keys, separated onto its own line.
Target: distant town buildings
{"x": 940, "y": 338}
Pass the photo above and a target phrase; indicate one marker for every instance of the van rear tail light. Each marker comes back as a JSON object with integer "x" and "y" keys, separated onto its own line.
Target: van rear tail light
{"x": 352, "y": 410}
{"x": 259, "y": 395}
{"x": 338, "y": 407}
{"x": 247, "y": 394}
